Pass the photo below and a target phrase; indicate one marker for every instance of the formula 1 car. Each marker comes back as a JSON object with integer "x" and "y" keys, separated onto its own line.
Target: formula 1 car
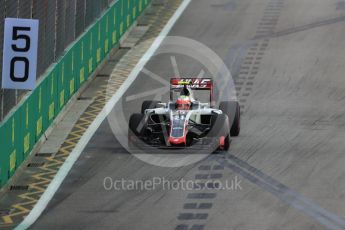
{"x": 185, "y": 121}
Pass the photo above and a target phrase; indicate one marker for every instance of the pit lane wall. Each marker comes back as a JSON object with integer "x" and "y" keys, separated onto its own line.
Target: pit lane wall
{"x": 23, "y": 128}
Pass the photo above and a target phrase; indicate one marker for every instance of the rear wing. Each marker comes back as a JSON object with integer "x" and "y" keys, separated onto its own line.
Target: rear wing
{"x": 193, "y": 83}
{"x": 177, "y": 84}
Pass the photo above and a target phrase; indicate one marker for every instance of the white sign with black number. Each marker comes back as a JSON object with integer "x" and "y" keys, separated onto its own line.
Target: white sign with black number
{"x": 20, "y": 54}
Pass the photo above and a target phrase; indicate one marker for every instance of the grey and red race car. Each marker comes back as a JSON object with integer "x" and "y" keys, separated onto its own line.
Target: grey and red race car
{"x": 184, "y": 121}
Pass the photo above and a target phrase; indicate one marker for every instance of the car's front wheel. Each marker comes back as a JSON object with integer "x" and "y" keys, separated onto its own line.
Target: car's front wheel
{"x": 232, "y": 109}
{"x": 136, "y": 123}
{"x": 135, "y": 128}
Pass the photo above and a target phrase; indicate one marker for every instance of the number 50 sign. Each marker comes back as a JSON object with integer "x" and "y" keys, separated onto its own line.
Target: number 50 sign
{"x": 20, "y": 54}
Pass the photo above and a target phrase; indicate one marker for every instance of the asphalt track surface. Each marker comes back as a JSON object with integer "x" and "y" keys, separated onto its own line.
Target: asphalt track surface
{"x": 290, "y": 154}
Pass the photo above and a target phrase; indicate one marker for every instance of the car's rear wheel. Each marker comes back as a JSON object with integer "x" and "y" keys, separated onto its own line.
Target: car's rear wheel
{"x": 232, "y": 109}
{"x": 149, "y": 105}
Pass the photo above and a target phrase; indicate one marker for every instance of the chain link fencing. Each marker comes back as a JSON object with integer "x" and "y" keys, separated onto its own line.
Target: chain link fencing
{"x": 61, "y": 22}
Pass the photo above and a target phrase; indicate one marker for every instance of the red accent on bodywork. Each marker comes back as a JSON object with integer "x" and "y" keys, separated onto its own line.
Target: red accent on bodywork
{"x": 221, "y": 142}
{"x": 177, "y": 140}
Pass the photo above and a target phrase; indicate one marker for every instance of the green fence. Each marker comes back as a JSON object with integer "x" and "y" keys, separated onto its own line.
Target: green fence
{"x": 24, "y": 127}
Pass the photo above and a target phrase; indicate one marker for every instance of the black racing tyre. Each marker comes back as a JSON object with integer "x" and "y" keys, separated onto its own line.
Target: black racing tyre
{"x": 136, "y": 124}
{"x": 149, "y": 105}
{"x": 219, "y": 125}
{"x": 232, "y": 109}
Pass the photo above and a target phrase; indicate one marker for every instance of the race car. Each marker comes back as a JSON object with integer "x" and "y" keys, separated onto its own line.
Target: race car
{"x": 185, "y": 121}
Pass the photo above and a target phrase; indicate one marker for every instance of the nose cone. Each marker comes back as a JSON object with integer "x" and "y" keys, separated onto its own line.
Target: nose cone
{"x": 177, "y": 140}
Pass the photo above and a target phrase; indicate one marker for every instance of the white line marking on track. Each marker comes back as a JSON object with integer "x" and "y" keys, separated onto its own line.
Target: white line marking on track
{"x": 66, "y": 167}
{"x": 175, "y": 67}
{"x": 156, "y": 77}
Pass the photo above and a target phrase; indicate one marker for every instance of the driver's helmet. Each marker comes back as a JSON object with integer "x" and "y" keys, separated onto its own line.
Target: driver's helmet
{"x": 183, "y": 103}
